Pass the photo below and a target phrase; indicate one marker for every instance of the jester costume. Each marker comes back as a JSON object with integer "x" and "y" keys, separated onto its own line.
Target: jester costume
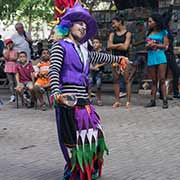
{"x": 79, "y": 127}
{"x": 81, "y": 136}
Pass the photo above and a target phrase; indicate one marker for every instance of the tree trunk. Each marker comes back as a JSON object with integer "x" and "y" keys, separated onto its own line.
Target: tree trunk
{"x": 30, "y": 21}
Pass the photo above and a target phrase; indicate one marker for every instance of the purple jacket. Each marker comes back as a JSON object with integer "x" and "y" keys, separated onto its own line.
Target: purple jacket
{"x": 73, "y": 71}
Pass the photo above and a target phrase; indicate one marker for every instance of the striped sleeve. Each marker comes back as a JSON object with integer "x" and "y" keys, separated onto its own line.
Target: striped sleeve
{"x": 99, "y": 57}
{"x": 56, "y": 60}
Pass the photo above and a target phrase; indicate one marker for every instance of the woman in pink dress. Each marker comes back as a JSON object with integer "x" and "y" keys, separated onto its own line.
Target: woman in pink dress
{"x": 10, "y": 55}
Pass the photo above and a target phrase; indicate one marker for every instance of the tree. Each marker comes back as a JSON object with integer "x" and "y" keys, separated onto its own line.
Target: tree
{"x": 8, "y": 10}
{"x": 93, "y": 4}
{"x": 35, "y": 10}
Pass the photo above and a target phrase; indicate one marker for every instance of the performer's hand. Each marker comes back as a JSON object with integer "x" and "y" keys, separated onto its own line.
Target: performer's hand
{"x": 59, "y": 99}
{"x": 124, "y": 60}
{"x": 123, "y": 63}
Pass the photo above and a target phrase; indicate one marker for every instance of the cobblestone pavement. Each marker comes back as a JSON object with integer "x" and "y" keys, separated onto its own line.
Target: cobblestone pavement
{"x": 144, "y": 143}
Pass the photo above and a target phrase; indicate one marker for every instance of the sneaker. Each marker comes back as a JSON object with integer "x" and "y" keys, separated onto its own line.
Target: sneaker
{"x": 42, "y": 90}
{"x": 122, "y": 94}
{"x": 1, "y": 102}
{"x": 177, "y": 96}
{"x": 12, "y": 99}
{"x": 152, "y": 103}
{"x": 165, "y": 104}
{"x": 93, "y": 94}
{"x": 30, "y": 105}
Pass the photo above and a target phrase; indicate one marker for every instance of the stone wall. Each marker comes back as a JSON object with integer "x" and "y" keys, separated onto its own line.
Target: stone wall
{"x": 165, "y": 3}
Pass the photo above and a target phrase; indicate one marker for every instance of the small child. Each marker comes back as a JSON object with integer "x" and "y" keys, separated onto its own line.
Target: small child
{"x": 25, "y": 77}
{"x": 10, "y": 55}
{"x": 41, "y": 73}
{"x": 97, "y": 71}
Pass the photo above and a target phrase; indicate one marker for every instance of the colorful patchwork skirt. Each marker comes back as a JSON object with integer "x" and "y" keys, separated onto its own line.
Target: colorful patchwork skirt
{"x": 81, "y": 140}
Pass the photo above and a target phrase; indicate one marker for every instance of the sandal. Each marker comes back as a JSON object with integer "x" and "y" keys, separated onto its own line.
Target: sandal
{"x": 116, "y": 104}
{"x": 128, "y": 105}
{"x": 99, "y": 103}
{"x": 43, "y": 107}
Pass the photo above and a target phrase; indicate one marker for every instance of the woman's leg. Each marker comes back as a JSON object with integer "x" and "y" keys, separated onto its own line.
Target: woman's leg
{"x": 116, "y": 87}
{"x": 128, "y": 77}
{"x": 154, "y": 77}
{"x": 11, "y": 79}
{"x": 153, "y": 73}
{"x": 38, "y": 94}
{"x": 122, "y": 84}
{"x": 162, "y": 72}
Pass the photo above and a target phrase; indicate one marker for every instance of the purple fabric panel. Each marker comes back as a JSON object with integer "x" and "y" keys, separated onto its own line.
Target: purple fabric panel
{"x": 79, "y": 118}
{"x": 84, "y": 118}
{"x": 73, "y": 71}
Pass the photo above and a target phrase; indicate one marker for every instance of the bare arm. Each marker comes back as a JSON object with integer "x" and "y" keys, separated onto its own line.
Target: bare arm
{"x": 6, "y": 54}
{"x": 17, "y": 78}
{"x": 164, "y": 45}
{"x": 16, "y": 56}
{"x": 111, "y": 45}
{"x": 153, "y": 45}
{"x": 124, "y": 46}
{"x": 120, "y": 46}
{"x": 33, "y": 77}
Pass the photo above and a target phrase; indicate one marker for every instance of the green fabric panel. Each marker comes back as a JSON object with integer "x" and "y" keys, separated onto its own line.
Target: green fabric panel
{"x": 73, "y": 158}
{"x": 102, "y": 146}
{"x": 80, "y": 158}
{"x": 86, "y": 155}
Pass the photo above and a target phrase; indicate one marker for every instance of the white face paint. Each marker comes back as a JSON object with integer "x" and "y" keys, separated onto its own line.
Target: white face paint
{"x": 78, "y": 30}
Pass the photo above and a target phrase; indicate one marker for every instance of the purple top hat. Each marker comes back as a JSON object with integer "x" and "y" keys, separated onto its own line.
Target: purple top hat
{"x": 78, "y": 13}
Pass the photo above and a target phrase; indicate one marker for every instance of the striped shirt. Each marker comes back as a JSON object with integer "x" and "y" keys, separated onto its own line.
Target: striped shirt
{"x": 56, "y": 59}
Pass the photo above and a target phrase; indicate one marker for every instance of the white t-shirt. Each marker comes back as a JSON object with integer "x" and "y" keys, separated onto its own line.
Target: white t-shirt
{"x": 21, "y": 44}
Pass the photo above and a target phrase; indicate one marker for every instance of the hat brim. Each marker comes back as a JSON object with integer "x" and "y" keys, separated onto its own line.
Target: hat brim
{"x": 85, "y": 17}
{"x": 8, "y": 42}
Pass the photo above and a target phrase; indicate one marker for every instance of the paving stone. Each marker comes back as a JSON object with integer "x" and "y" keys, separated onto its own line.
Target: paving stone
{"x": 144, "y": 143}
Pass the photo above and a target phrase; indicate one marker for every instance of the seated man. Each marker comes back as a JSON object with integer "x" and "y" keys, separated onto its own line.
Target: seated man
{"x": 25, "y": 77}
{"x": 42, "y": 80}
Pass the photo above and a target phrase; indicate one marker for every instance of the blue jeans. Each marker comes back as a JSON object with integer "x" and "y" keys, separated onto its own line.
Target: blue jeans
{"x": 96, "y": 79}
{"x": 122, "y": 83}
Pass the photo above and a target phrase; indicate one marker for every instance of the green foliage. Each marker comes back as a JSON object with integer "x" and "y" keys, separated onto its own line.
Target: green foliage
{"x": 8, "y": 10}
{"x": 25, "y": 9}
{"x": 37, "y": 9}
{"x": 33, "y": 11}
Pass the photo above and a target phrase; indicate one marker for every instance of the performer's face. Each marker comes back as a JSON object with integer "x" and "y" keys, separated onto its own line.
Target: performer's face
{"x": 78, "y": 30}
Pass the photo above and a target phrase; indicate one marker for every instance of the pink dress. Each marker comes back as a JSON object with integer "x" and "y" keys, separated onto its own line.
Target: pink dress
{"x": 10, "y": 57}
